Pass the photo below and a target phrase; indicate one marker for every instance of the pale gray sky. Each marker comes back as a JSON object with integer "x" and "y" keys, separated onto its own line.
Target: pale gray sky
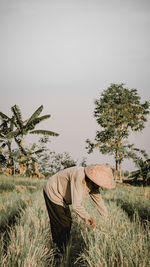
{"x": 64, "y": 53}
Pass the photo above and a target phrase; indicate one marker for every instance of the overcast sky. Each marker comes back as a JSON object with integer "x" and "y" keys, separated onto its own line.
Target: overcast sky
{"x": 63, "y": 54}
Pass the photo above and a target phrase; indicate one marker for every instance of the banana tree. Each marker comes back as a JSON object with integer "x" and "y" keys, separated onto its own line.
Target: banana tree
{"x": 7, "y": 127}
{"x": 2, "y": 160}
{"x": 23, "y": 128}
{"x": 31, "y": 161}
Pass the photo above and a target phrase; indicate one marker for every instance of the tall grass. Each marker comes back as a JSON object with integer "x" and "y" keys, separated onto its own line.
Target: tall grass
{"x": 116, "y": 242}
{"x": 9, "y": 214}
{"x": 11, "y": 206}
{"x": 30, "y": 240}
{"x": 120, "y": 241}
{"x": 10, "y": 183}
{"x": 132, "y": 200}
{"x": 6, "y": 187}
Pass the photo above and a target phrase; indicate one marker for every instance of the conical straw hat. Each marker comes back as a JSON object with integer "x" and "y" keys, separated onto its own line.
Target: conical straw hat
{"x": 101, "y": 174}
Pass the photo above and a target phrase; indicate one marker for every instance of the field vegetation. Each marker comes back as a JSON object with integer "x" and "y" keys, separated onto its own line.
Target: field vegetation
{"x": 121, "y": 240}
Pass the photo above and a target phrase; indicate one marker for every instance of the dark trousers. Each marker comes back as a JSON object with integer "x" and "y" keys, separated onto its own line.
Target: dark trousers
{"x": 60, "y": 222}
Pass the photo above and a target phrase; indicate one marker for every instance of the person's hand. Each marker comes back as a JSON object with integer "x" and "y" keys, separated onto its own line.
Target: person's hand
{"x": 91, "y": 221}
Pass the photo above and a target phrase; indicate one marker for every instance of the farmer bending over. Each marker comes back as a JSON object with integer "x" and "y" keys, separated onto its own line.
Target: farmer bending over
{"x": 71, "y": 186}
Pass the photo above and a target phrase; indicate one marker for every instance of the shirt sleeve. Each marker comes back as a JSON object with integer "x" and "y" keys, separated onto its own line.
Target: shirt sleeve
{"x": 96, "y": 197}
{"x": 77, "y": 192}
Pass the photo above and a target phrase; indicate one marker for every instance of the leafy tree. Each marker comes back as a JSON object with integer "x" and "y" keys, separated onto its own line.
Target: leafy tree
{"x": 42, "y": 155}
{"x": 6, "y": 127}
{"x": 143, "y": 171}
{"x": 118, "y": 111}
{"x": 50, "y": 162}
{"x": 60, "y": 161}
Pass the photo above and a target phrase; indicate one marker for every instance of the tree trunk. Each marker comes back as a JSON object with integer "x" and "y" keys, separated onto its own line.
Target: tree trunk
{"x": 35, "y": 171}
{"x": 22, "y": 165}
{"x": 116, "y": 161}
{"x": 120, "y": 172}
{"x": 10, "y": 160}
{"x": 120, "y": 167}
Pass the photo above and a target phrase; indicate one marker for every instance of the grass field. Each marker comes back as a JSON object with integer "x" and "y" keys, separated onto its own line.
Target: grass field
{"x": 122, "y": 240}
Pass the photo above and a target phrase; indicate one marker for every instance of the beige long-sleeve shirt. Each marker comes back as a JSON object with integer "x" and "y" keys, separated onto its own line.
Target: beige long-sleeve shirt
{"x": 69, "y": 187}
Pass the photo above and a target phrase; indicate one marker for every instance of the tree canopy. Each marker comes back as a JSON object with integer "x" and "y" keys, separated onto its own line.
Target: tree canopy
{"x": 118, "y": 111}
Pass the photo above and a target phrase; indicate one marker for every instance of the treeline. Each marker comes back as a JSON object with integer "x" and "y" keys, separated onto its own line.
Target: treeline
{"x": 118, "y": 112}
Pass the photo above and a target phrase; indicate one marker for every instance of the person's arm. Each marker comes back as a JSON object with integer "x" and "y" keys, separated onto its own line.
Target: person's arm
{"x": 77, "y": 192}
{"x": 96, "y": 197}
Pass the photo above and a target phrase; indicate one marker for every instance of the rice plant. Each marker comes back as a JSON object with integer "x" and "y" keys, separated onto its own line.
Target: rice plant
{"x": 9, "y": 215}
{"x": 12, "y": 181}
{"x": 6, "y": 187}
{"x": 30, "y": 240}
{"x": 132, "y": 200}
{"x": 122, "y": 240}
{"x": 116, "y": 242}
